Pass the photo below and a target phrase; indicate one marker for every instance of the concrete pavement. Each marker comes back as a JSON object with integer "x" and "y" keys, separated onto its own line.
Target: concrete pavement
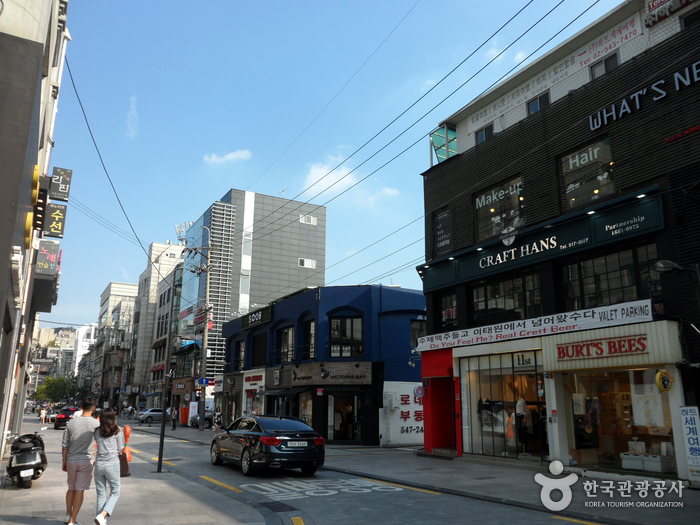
{"x": 148, "y": 492}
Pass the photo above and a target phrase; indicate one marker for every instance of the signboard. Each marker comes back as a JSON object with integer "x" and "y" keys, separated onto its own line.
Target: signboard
{"x": 606, "y": 347}
{"x": 690, "y": 417}
{"x": 55, "y": 221}
{"x": 60, "y": 184}
{"x": 254, "y": 379}
{"x": 443, "y": 232}
{"x": 257, "y": 317}
{"x": 593, "y": 318}
{"x": 402, "y": 418}
{"x": 47, "y": 258}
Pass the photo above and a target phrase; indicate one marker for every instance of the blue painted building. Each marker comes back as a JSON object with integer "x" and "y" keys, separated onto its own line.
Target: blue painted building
{"x": 325, "y": 355}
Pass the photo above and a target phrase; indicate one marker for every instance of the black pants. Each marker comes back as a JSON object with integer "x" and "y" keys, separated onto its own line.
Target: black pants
{"x": 174, "y": 421}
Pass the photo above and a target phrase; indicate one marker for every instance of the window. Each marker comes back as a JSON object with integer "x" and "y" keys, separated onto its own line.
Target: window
{"x": 240, "y": 353}
{"x": 308, "y": 349}
{"x": 418, "y": 329}
{"x": 538, "y": 104}
{"x": 604, "y": 66}
{"x": 507, "y": 300}
{"x": 259, "y": 350}
{"x": 448, "y": 309}
{"x": 499, "y": 208}
{"x": 692, "y": 19}
{"x": 307, "y": 263}
{"x": 484, "y": 134}
{"x": 285, "y": 338}
{"x": 346, "y": 337}
{"x": 308, "y": 219}
{"x": 245, "y": 283}
{"x": 587, "y": 174}
{"x": 247, "y": 248}
{"x": 618, "y": 277}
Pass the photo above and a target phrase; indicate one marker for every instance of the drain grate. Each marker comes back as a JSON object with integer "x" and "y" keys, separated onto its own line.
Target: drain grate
{"x": 276, "y": 506}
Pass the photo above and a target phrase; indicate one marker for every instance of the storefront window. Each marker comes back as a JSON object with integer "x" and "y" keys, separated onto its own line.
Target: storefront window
{"x": 448, "y": 310}
{"x": 254, "y": 403}
{"x": 620, "y": 420}
{"x": 614, "y": 278}
{"x": 509, "y": 300}
{"x": 499, "y": 208}
{"x": 587, "y": 174}
{"x": 306, "y": 402}
{"x": 503, "y": 405}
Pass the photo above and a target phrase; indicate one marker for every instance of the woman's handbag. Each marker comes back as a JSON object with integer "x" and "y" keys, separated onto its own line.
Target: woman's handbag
{"x": 123, "y": 466}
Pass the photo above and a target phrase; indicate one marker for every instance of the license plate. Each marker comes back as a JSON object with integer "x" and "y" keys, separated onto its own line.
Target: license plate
{"x": 26, "y": 473}
{"x": 296, "y": 443}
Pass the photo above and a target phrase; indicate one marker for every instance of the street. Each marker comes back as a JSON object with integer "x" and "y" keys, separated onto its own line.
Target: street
{"x": 192, "y": 490}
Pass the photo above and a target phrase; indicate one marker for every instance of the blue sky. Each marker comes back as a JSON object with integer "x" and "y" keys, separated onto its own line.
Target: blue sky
{"x": 187, "y": 100}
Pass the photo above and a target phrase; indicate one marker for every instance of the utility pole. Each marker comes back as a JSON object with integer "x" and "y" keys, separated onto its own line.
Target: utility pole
{"x": 166, "y": 389}
{"x": 204, "y": 351}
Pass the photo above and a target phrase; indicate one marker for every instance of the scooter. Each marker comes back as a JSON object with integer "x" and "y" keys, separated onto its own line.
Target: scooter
{"x": 27, "y": 459}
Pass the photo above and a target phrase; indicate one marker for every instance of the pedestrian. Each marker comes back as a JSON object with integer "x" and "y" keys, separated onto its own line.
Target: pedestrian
{"x": 131, "y": 411}
{"x": 217, "y": 420}
{"x": 110, "y": 443}
{"x": 42, "y": 414}
{"x": 49, "y": 411}
{"x": 78, "y": 453}
{"x": 173, "y": 416}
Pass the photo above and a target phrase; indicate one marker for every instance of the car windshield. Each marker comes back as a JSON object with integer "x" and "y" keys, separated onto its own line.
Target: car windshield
{"x": 273, "y": 425}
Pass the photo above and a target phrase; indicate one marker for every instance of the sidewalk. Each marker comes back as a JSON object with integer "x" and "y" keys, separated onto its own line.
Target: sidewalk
{"x": 147, "y": 497}
{"x": 499, "y": 482}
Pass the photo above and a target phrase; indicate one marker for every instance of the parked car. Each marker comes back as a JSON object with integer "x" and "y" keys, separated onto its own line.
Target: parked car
{"x": 150, "y": 415}
{"x": 269, "y": 442}
{"x": 63, "y": 417}
{"x": 208, "y": 419}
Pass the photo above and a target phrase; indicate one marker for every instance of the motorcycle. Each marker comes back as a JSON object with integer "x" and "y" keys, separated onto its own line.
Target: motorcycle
{"x": 27, "y": 459}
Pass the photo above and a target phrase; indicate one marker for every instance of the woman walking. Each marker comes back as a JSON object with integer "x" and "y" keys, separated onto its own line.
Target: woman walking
{"x": 110, "y": 442}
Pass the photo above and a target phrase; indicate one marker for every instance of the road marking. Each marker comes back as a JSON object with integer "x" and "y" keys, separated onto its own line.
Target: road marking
{"x": 166, "y": 462}
{"x": 224, "y": 485}
{"x": 133, "y": 450}
{"x": 573, "y": 520}
{"x": 297, "y": 521}
{"x": 403, "y": 486}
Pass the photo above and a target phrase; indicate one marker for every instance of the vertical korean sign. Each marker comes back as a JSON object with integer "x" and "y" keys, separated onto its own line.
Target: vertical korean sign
{"x": 55, "y": 221}
{"x": 60, "y": 184}
{"x": 47, "y": 258}
{"x": 691, "y": 437}
{"x": 443, "y": 232}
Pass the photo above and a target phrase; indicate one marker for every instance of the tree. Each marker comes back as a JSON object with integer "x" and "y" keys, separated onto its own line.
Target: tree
{"x": 55, "y": 389}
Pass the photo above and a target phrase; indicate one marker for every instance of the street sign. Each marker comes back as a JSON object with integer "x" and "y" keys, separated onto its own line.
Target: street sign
{"x": 203, "y": 381}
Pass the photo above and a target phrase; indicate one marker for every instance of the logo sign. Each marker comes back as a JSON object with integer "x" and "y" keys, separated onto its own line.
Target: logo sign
{"x": 253, "y": 380}
{"x": 608, "y": 347}
{"x": 664, "y": 380}
{"x": 60, "y": 184}
{"x": 55, "y": 221}
{"x": 47, "y": 258}
{"x": 258, "y": 317}
{"x": 319, "y": 391}
{"x": 562, "y": 485}
{"x": 443, "y": 232}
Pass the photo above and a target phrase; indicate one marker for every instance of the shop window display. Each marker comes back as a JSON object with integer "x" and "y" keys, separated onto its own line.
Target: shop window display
{"x": 503, "y": 406}
{"x": 620, "y": 420}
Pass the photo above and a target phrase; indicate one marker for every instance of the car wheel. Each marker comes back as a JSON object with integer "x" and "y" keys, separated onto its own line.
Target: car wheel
{"x": 149, "y": 420}
{"x": 308, "y": 471}
{"x": 246, "y": 463}
{"x": 207, "y": 423}
{"x": 55, "y": 427}
{"x": 215, "y": 456}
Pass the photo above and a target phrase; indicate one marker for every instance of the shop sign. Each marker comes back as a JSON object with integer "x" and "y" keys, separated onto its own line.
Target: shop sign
{"x": 636, "y": 101}
{"x": 257, "y": 317}
{"x": 691, "y": 438}
{"x": 218, "y": 383}
{"x": 662, "y": 9}
{"x": 592, "y": 318}
{"x": 664, "y": 380}
{"x": 55, "y": 222}
{"x": 253, "y": 380}
{"x": 60, "y": 184}
{"x": 607, "y": 347}
{"x": 47, "y": 258}
{"x": 276, "y": 377}
{"x": 319, "y": 391}
{"x": 443, "y": 232}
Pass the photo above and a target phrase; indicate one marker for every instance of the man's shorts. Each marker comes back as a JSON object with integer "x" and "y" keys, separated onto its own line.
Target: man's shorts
{"x": 79, "y": 475}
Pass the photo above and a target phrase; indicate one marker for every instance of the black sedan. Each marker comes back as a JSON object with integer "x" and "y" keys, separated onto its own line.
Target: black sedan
{"x": 269, "y": 442}
{"x": 64, "y": 416}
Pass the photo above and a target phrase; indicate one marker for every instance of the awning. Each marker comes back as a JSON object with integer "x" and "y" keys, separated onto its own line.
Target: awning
{"x": 158, "y": 367}
{"x": 286, "y": 391}
{"x": 187, "y": 348}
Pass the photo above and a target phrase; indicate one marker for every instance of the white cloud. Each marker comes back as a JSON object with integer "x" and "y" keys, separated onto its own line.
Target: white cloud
{"x": 520, "y": 56}
{"x": 125, "y": 273}
{"x": 132, "y": 119}
{"x": 241, "y": 154}
{"x": 337, "y": 181}
{"x": 427, "y": 84}
{"x": 493, "y": 52}
{"x": 373, "y": 198}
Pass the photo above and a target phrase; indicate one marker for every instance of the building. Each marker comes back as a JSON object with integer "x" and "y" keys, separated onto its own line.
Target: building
{"x": 331, "y": 356}
{"x": 559, "y": 199}
{"x": 33, "y": 39}
{"x": 113, "y": 344}
{"x": 85, "y": 337}
{"x": 162, "y": 258}
{"x": 253, "y": 249}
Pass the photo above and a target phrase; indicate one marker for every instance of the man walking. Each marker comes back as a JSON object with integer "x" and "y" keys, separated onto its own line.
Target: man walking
{"x": 78, "y": 457}
{"x": 173, "y": 416}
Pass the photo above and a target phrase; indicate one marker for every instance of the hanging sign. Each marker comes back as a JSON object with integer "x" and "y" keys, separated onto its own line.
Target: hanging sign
{"x": 55, "y": 221}
{"x": 60, "y": 184}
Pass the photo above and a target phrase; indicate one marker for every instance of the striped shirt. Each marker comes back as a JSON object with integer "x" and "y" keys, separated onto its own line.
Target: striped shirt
{"x": 79, "y": 439}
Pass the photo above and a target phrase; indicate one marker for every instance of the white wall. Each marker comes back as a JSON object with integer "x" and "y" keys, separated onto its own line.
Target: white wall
{"x": 402, "y": 411}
